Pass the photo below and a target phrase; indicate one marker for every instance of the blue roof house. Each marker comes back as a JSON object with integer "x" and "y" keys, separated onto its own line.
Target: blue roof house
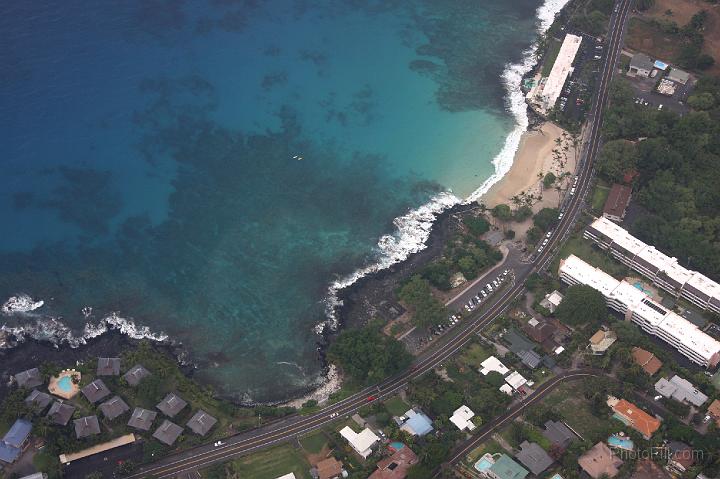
{"x": 417, "y": 424}
{"x": 14, "y": 440}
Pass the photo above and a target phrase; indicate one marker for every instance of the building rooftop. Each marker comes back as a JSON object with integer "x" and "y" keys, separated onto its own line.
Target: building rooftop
{"x": 395, "y": 466}
{"x": 108, "y": 367}
{"x": 641, "y": 61}
{"x": 560, "y": 70}
{"x": 136, "y": 374}
{"x": 361, "y": 442}
{"x": 493, "y": 364}
{"x": 60, "y": 413}
{"x": 681, "y": 390}
{"x": 38, "y": 400}
{"x": 29, "y": 379}
{"x": 417, "y": 424}
{"x": 600, "y": 460}
{"x": 86, "y": 426}
{"x": 533, "y": 457}
{"x": 558, "y": 434}
{"x": 530, "y": 358}
{"x": 329, "y": 468}
{"x": 678, "y": 75}
{"x": 515, "y": 379}
{"x": 171, "y": 405}
{"x": 617, "y": 201}
{"x": 641, "y": 421}
{"x": 168, "y": 432}
{"x": 114, "y": 407}
{"x": 646, "y": 360}
{"x": 142, "y": 419}
{"x": 506, "y": 468}
{"x": 462, "y": 418}
{"x": 714, "y": 411}
{"x": 647, "y": 469}
{"x": 201, "y": 422}
{"x": 9, "y": 454}
{"x": 96, "y": 391}
{"x": 18, "y": 433}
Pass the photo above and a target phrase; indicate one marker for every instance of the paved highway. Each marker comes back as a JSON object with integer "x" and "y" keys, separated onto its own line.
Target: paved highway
{"x": 294, "y": 426}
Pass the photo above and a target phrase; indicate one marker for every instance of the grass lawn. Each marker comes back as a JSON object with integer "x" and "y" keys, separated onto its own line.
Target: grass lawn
{"x": 396, "y": 406}
{"x": 551, "y": 54}
{"x": 585, "y": 250}
{"x": 490, "y": 446}
{"x": 576, "y": 413}
{"x": 314, "y": 443}
{"x": 649, "y": 38}
{"x": 473, "y": 355}
{"x": 599, "y": 196}
{"x": 271, "y": 463}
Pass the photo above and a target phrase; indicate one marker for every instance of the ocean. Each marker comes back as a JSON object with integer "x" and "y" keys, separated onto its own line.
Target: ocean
{"x": 214, "y": 171}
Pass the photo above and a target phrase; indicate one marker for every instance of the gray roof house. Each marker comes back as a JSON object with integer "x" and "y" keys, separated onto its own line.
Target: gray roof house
{"x": 558, "y": 434}
{"x": 641, "y": 64}
{"x": 171, "y": 405}
{"x": 96, "y": 391}
{"x": 201, "y": 422}
{"x": 29, "y": 379}
{"x": 136, "y": 374}
{"x": 678, "y": 75}
{"x": 86, "y": 426}
{"x": 142, "y": 419}
{"x": 534, "y": 457}
{"x": 530, "y": 358}
{"x": 681, "y": 390}
{"x": 108, "y": 367}
{"x": 60, "y": 413}
{"x": 114, "y": 407}
{"x": 168, "y": 432}
{"x": 38, "y": 400}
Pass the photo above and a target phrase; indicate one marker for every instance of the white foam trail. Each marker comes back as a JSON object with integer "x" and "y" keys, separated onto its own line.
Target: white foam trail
{"x": 515, "y": 100}
{"x": 56, "y": 332}
{"x": 411, "y": 232}
{"x": 22, "y": 303}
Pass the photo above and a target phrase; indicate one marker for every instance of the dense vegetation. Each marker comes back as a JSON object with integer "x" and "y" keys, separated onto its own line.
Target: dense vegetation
{"x": 677, "y": 159}
{"x": 582, "y": 305}
{"x": 468, "y": 255}
{"x": 427, "y": 310}
{"x": 367, "y": 355}
{"x": 691, "y": 40}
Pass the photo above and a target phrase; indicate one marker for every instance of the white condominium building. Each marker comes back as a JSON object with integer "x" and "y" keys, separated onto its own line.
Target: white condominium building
{"x": 650, "y": 315}
{"x": 659, "y": 267}
{"x": 552, "y": 86}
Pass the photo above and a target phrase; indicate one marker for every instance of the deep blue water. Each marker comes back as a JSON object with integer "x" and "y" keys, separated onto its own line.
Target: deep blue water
{"x": 148, "y": 153}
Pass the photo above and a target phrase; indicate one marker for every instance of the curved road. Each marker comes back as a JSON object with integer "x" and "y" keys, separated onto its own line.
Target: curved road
{"x": 294, "y": 426}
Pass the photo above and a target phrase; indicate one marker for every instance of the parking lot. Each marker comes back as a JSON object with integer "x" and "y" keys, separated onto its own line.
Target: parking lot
{"x": 646, "y": 95}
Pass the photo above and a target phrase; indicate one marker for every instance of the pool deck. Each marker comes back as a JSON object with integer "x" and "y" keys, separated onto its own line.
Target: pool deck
{"x": 55, "y": 389}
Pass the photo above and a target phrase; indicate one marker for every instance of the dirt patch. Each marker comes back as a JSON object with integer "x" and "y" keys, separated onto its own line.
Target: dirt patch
{"x": 682, "y": 12}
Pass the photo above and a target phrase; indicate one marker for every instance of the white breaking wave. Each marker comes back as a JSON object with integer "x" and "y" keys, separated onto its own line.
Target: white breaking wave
{"x": 56, "y": 332}
{"x": 413, "y": 229}
{"x": 515, "y": 100}
{"x": 22, "y": 303}
{"x": 411, "y": 232}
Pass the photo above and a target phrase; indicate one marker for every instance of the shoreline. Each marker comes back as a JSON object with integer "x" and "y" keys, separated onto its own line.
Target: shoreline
{"x": 420, "y": 237}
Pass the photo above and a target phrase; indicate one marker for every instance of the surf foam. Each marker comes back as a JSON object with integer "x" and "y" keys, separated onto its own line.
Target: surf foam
{"x": 22, "y": 303}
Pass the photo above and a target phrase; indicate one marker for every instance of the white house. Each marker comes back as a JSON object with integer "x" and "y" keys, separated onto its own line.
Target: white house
{"x": 362, "y": 442}
{"x": 462, "y": 418}
{"x": 515, "y": 380}
{"x": 289, "y": 475}
{"x": 493, "y": 364}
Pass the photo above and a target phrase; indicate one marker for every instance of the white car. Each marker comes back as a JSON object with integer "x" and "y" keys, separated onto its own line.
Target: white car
{"x": 572, "y": 191}
{"x": 549, "y": 234}
{"x": 218, "y": 444}
{"x": 561, "y": 215}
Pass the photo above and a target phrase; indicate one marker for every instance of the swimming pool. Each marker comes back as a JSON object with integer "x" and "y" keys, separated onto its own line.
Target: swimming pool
{"x": 621, "y": 442}
{"x": 397, "y": 445}
{"x": 639, "y": 286}
{"x": 65, "y": 384}
{"x": 483, "y": 465}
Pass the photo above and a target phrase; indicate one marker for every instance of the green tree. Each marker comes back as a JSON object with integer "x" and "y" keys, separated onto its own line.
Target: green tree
{"x": 582, "y": 305}
{"x": 545, "y": 218}
{"x": 367, "y": 355}
{"x": 477, "y": 225}
{"x": 702, "y": 101}
{"x": 524, "y": 212}
{"x": 428, "y": 310}
{"x": 502, "y": 212}
{"x": 548, "y": 180}
{"x": 616, "y": 158}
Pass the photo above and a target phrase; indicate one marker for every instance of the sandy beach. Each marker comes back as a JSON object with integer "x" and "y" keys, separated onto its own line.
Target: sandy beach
{"x": 548, "y": 149}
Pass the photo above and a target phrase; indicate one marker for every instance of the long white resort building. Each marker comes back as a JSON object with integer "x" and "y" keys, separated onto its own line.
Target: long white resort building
{"x": 659, "y": 267}
{"x": 650, "y": 315}
{"x": 547, "y": 93}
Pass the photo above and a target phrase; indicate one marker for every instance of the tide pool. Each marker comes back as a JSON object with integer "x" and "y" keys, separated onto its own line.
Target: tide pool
{"x": 209, "y": 168}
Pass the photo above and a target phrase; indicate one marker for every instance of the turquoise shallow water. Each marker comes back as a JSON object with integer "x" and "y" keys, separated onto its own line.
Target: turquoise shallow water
{"x": 150, "y": 158}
